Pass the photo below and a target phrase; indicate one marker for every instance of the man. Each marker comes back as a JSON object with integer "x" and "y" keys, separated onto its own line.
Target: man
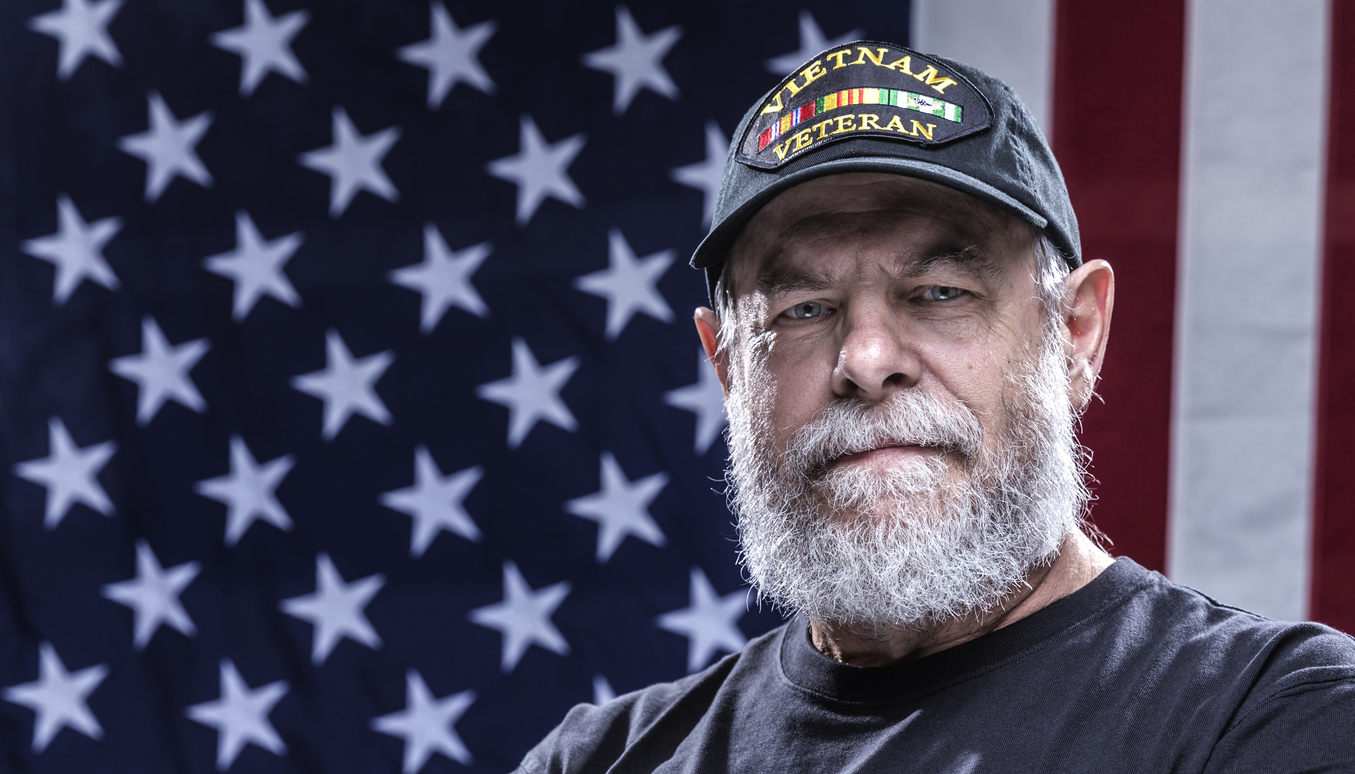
{"x": 906, "y": 333}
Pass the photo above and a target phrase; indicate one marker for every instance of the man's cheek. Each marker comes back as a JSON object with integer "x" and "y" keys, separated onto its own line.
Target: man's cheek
{"x": 793, "y": 399}
{"x": 972, "y": 374}
{"x": 803, "y": 365}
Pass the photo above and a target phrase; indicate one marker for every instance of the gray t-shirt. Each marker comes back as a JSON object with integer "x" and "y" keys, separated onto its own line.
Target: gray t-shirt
{"x": 1130, "y": 673}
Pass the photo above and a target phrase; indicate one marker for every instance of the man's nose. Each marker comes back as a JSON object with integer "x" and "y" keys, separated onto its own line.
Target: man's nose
{"x": 876, "y": 357}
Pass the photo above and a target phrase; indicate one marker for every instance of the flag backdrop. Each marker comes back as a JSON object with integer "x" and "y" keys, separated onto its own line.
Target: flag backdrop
{"x": 350, "y": 414}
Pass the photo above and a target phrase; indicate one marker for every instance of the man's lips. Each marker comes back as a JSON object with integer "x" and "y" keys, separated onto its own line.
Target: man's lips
{"x": 886, "y": 451}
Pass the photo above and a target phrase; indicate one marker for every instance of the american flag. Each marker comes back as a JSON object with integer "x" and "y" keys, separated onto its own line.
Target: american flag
{"x": 352, "y": 419}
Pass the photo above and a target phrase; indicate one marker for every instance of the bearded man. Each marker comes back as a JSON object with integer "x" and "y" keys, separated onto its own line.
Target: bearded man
{"x": 907, "y": 333}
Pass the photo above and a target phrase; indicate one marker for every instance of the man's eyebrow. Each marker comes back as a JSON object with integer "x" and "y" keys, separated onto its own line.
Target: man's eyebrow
{"x": 786, "y": 280}
{"x": 971, "y": 259}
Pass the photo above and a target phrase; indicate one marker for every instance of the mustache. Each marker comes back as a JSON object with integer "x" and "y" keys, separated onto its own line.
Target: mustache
{"x": 853, "y": 425}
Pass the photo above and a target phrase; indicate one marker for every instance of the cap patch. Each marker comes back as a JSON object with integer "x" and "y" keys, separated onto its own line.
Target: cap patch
{"x": 859, "y": 90}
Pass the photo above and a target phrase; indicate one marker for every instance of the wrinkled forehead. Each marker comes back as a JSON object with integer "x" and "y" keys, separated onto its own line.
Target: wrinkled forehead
{"x": 823, "y": 209}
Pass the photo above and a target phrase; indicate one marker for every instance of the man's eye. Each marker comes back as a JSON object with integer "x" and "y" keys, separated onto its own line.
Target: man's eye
{"x": 807, "y": 310}
{"x": 941, "y": 293}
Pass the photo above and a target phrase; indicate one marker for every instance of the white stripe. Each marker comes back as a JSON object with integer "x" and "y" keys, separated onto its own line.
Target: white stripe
{"x": 1248, "y": 267}
{"x": 1010, "y": 39}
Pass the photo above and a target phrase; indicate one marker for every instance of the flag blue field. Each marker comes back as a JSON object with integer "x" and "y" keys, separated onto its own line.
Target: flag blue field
{"x": 351, "y": 416}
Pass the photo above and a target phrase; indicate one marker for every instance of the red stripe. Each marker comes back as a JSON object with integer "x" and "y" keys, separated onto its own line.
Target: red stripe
{"x": 1122, "y": 165}
{"x": 1332, "y": 598}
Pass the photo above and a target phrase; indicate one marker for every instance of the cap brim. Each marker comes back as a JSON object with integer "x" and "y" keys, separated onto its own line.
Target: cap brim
{"x": 715, "y": 247}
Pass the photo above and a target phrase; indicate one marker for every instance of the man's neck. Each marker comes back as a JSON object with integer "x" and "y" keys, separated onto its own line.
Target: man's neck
{"x": 1078, "y": 562}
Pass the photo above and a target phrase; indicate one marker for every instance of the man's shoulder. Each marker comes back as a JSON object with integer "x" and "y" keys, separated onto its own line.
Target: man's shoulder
{"x": 1210, "y": 636}
{"x": 591, "y": 733}
{"x": 1287, "y": 688}
{"x": 1199, "y": 616}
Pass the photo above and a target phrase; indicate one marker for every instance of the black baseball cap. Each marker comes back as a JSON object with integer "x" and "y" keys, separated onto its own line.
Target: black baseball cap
{"x": 869, "y": 106}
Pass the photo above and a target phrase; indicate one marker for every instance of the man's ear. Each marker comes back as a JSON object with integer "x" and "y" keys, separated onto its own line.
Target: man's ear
{"x": 1087, "y": 327}
{"x": 708, "y": 328}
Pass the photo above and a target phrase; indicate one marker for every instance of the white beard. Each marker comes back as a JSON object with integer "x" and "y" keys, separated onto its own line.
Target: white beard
{"x": 943, "y": 537}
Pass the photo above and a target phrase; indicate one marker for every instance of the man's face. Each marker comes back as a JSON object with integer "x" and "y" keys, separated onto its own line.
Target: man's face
{"x": 899, "y": 409}
{"x": 863, "y": 286}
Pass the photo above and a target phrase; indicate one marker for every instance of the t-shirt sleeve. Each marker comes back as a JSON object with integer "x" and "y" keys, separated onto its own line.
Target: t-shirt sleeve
{"x": 591, "y": 738}
{"x": 587, "y": 740}
{"x": 1306, "y": 723}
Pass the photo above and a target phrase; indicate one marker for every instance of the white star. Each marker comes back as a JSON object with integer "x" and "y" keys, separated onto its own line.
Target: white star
{"x": 59, "y": 698}
{"x": 255, "y": 266}
{"x": 812, "y": 42}
{"x": 628, "y": 284}
{"x": 710, "y": 624}
{"x": 435, "y": 502}
{"x": 450, "y": 55}
{"x": 263, "y": 43}
{"x": 621, "y": 508}
{"x": 167, "y": 147}
{"x": 523, "y": 617}
{"x": 539, "y": 169}
{"x": 240, "y": 716}
{"x": 636, "y": 61}
{"x": 248, "y": 491}
{"x": 705, "y": 399}
{"x": 335, "y": 609}
{"x": 161, "y": 372}
{"x": 532, "y": 393}
{"x": 76, "y": 250}
{"x": 153, "y": 595}
{"x": 353, "y": 163}
{"x": 428, "y": 725}
{"x": 602, "y": 690}
{"x": 82, "y": 29}
{"x": 707, "y": 175}
{"x": 347, "y": 386}
{"x": 444, "y": 278}
{"x": 69, "y": 474}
